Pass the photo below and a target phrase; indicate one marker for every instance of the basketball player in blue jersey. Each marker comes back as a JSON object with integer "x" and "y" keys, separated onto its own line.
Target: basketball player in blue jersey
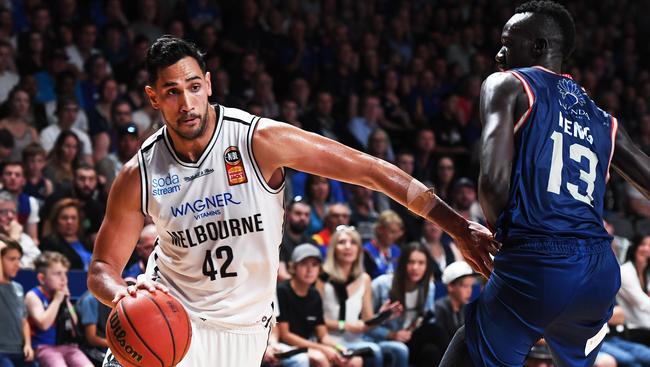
{"x": 545, "y": 160}
{"x": 212, "y": 180}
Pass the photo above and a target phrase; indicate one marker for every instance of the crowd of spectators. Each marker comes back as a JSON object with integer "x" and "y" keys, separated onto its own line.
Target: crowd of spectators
{"x": 397, "y": 79}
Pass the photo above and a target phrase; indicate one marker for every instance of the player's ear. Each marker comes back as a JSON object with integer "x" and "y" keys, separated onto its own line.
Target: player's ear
{"x": 540, "y": 46}
{"x": 153, "y": 98}
{"x": 208, "y": 83}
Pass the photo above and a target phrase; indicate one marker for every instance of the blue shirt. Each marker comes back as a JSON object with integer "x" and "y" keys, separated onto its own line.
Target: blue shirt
{"x": 563, "y": 147}
{"x": 385, "y": 264}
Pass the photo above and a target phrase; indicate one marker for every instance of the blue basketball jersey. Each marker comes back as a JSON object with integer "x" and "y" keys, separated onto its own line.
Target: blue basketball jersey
{"x": 563, "y": 148}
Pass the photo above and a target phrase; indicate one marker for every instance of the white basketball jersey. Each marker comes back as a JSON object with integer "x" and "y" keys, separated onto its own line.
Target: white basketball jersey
{"x": 219, "y": 224}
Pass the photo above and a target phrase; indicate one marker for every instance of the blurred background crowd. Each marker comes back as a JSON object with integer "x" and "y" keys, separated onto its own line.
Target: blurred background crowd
{"x": 399, "y": 80}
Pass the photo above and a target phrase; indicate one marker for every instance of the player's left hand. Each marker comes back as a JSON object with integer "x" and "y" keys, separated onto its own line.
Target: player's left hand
{"x": 477, "y": 245}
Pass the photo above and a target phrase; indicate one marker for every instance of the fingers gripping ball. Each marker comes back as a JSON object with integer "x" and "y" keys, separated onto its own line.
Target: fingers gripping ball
{"x": 151, "y": 329}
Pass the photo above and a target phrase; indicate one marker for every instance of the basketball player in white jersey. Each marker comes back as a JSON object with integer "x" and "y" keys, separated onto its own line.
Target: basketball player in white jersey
{"x": 212, "y": 179}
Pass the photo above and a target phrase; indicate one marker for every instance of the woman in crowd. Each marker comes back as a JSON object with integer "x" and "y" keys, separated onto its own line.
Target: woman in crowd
{"x": 634, "y": 295}
{"x": 100, "y": 118}
{"x": 443, "y": 253}
{"x": 412, "y": 286}
{"x": 383, "y": 250}
{"x": 347, "y": 299}
{"x": 445, "y": 174}
{"x": 317, "y": 192}
{"x": 16, "y": 122}
{"x": 63, "y": 233}
{"x": 64, "y": 157}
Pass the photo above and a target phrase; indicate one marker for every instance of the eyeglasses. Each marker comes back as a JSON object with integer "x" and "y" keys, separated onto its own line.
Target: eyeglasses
{"x": 7, "y": 211}
{"x": 343, "y": 227}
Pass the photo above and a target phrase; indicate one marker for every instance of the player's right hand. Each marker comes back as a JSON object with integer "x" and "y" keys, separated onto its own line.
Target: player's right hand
{"x": 143, "y": 282}
{"x": 478, "y": 246}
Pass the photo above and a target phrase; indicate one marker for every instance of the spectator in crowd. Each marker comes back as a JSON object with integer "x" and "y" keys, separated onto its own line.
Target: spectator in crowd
{"x": 263, "y": 94}
{"x": 274, "y": 347}
{"x": 450, "y": 310}
{"x": 464, "y": 200}
{"x": 372, "y": 118}
{"x": 363, "y": 211}
{"x": 93, "y": 317}
{"x": 425, "y": 145}
{"x": 144, "y": 248}
{"x": 379, "y": 145}
{"x": 44, "y": 307}
{"x": 63, "y": 158}
{"x": 335, "y": 215}
{"x": 100, "y": 116}
{"x": 382, "y": 252}
{"x": 67, "y": 86}
{"x": 128, "y": 142}
{"x": 13, "y": 181}
{"x": 8, "y": 78}
{"x": 449, "y": 128}
{"x": 36, "y": 185}
{"x": 634, "y": 294}
{"x": 445, "y": 174}
{"x": 66, "y": 112}
{"x": 84, "y": 46}
{"x": 86, "y": 190}
{"x": 619, "y": 244}
{"x": 625, "y": 352}
{"x": 303, "y": 184}
{"x": 317, "y": 190}
{"x": 16, "y": 123}
{"x": 289, "y": 113}
{"x": 347, "y": 297}
{"x": 62, "y": 233}
{"x": 322, "y": 121}
{"x": 412, "y": 286}
{"x": 10, "y": 228}
{"x": 32, "y": 56}
{"x": 638, "y": 204}
{"x": 443, "y": 253}
{"x": 405, "y": 160}
{"x": 15, "y": 339}
{"x": 295, "y": 233}
{"x": 300, "y": 321}
{"x": 6, "y": 145}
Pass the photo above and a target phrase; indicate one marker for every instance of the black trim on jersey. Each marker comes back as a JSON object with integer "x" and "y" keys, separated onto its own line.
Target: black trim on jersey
{"x": 256, "y": 166}
{"x": 208, "y": 148}
{"x": 268, "y": 337}
{"x": 147, "y": 147}
{"x": 145, "y": 189}
{"x": 233, "y": 119}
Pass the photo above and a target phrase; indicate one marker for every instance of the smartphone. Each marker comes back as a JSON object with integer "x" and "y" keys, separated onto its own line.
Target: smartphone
{"x": 290, "y": 353}
{"x": 379, "y": 318}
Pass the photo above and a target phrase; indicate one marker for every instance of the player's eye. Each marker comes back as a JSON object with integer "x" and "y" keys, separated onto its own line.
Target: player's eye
{"x": 196, "y": 87}
{"x": 172, "y": 92}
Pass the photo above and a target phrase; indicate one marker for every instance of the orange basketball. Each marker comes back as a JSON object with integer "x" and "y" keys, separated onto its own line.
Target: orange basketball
{"x": 151, "y": 329}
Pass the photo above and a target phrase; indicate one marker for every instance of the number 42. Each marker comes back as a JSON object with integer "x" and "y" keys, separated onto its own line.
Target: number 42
{"x": 208, "y": 264}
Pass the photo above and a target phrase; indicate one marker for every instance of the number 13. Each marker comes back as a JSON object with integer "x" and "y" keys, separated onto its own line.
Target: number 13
{"x": 576, "y": 152}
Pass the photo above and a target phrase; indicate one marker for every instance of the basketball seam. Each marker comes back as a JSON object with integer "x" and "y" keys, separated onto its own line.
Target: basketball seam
{"x": 171, "y": 332}
{"x": 126, "y": 316}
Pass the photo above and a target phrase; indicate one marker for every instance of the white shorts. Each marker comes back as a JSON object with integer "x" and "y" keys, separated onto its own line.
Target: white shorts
{"x": 216, "y": 347}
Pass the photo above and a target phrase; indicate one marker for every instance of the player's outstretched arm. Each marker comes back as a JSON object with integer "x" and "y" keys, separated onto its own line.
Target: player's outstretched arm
{"x": 117, "y": 236}
{"x": 277, "y": 145}
{"x": 631, "y": 163}
{"x": 500, "y": 95}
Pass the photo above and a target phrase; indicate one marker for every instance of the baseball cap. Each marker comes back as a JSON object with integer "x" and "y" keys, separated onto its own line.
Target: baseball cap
{"x": 301, "y": 252}
{"x": 463, "y": 182}
{"x": 455, "y": 271}
{"x": 129, "y": 129}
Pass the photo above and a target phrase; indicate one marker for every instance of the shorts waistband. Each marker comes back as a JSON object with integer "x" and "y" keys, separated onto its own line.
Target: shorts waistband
{"x": 561, "y": 247}
{"x": 235, "y": 329}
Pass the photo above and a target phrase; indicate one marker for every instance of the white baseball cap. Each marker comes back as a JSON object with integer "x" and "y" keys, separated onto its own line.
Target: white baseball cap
{"x": 456, "y": 270}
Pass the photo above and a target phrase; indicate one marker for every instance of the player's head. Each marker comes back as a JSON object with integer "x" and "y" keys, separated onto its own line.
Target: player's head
{"x": 179, "y": 86}
{"x": 11, "y": 254}
{"x": 305, "y": 263}
{"x": 538, "y": 31}
{"x": 52, "y": 271}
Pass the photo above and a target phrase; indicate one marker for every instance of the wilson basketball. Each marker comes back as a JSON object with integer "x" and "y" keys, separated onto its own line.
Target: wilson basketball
{"x": 151, "y": 329}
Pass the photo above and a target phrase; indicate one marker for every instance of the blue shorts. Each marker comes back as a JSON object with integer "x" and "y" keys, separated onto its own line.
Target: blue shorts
{"x": 561, "y": 291}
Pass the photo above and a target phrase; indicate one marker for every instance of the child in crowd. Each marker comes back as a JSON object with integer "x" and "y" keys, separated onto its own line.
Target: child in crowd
{"x": 15, "y": 340}
{"x": 36, "y": 185}
{"x": 300, "y": 320}
{"x": 46, "y": 303}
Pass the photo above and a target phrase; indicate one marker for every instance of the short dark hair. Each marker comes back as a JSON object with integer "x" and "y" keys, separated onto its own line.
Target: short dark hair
{"x": 33, "y": 150}
{"x": 560, "y": 15}
{"x": 166, "y": 51}
{"x": 11, "y": 244}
